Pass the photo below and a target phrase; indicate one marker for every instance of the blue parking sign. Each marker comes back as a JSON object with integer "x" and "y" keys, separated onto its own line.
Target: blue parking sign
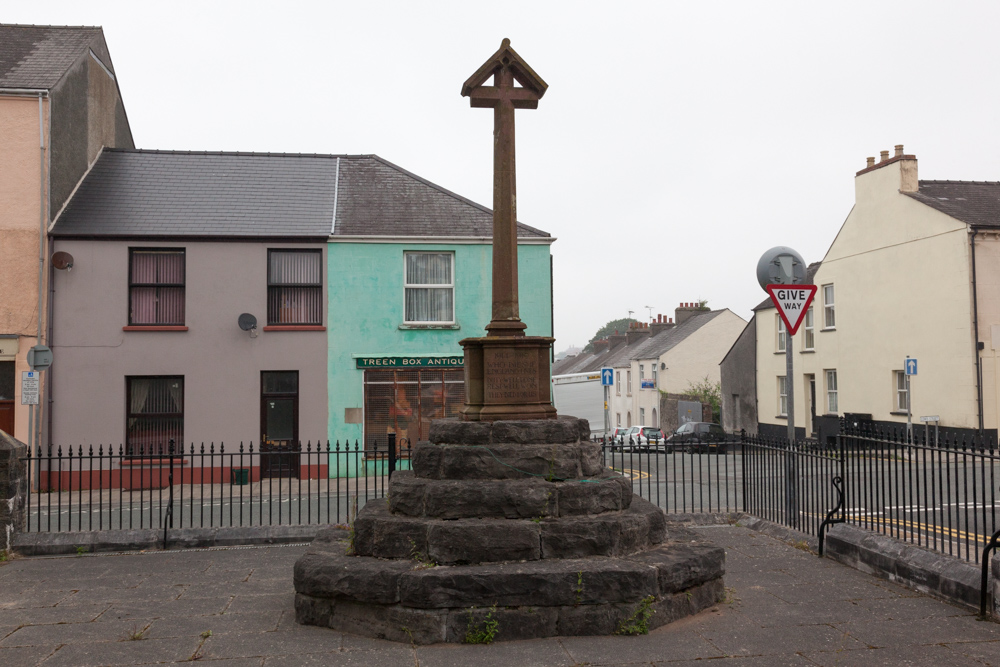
{"x": 607, "y": 377}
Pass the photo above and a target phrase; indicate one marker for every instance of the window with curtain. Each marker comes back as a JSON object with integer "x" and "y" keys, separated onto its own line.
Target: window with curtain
{"x": 294, "y": 287}
{"x": 809, "y": 340}
{"x": 429, "y": 285}
{"x": 154, "y": 415}
{"x": 829, "y": 309}
{"x": 782, "y": 397}
{"x": 782, "y": 334}
{"x": 156, "y": 287}
{"x": 902, "y": 404}
{"x": 831, "y": 392}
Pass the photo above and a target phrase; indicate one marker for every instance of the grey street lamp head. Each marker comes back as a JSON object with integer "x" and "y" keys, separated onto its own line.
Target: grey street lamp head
{"x": 781, "y": 266}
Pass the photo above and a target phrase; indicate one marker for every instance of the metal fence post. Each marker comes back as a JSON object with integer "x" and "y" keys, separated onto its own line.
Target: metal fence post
{"x": 392, "y": 454}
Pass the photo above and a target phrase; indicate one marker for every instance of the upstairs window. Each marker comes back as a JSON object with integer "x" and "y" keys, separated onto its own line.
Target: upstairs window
{"x": 628, "y": 381}
{"x": 156, "y": 287}
{"x": 829, "y": 312}
{"x": 294, "y": 287}
{"x": 782, "y": 334}
{"x": 809, "y": 337}
{"x": 618, "y": 383}
{"x": 429, "y": 284}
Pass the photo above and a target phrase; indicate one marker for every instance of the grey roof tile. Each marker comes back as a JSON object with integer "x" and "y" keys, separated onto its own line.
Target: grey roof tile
{"x": 976, "y": 203}
{"x": 177, "y": 193}
{"x": 37, "y": 56}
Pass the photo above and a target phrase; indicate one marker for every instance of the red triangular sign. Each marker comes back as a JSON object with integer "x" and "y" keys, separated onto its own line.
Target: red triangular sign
{"x": 792, "y": 302}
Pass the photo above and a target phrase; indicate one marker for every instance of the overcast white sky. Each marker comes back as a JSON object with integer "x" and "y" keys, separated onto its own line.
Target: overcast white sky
{"x": 677, "y": 140}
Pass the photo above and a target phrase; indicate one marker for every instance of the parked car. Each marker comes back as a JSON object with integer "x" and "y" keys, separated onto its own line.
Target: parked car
{"x": 700, "y": 437}
{"x": 616, "y": 437}
{"x": 650, "y": 437}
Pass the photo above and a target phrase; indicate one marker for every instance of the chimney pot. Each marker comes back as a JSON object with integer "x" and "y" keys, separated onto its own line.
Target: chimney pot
{"x": 670, "y": 320}
{"x": 899, "y": 150}
{"x": 871, "y": 162}
{"x": 885, "y": 155}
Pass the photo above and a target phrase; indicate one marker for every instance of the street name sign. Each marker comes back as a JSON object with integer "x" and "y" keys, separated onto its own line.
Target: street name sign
{"x": 931, "y": 418}
{"x": 911, "y": 366}
{"x": 792, "y": 302}
{"x": 607, "y": 377}
{"x": 29, "y": 387}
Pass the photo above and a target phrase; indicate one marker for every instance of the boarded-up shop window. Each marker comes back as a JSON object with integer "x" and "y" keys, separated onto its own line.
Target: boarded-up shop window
{"x": 405, "y": 403}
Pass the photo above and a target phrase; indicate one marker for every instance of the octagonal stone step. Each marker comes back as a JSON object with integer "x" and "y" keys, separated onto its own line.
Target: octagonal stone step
{"x": 529, "y": 498}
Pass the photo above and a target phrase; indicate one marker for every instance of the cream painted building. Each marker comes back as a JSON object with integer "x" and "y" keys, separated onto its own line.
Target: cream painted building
{"x": 59, "y": 106}
{"x": 670, "y": 359}
{"x": 913, "y": 272}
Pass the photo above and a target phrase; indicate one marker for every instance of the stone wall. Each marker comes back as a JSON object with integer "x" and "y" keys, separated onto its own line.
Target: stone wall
{"x": 668, "y": 411}
{"x": 13, "y": 489}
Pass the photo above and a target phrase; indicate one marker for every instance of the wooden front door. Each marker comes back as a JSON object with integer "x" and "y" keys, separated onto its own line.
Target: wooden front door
{"x": 279, "y": 424}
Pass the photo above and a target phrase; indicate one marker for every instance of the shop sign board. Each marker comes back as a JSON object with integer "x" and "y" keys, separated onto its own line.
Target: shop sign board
{"x": 455, "y": 361}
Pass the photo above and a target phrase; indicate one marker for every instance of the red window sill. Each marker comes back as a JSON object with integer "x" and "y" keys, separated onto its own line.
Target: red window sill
{"x": 295, "y": 327}
{"x": 153, "y": 327}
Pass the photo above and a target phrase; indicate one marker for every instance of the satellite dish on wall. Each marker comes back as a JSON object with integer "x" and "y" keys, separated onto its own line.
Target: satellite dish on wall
{"x": 248, "y": 322}
{"x": 62, "y": 260}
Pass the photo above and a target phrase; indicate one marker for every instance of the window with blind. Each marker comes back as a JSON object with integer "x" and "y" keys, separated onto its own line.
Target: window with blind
{"x": 429, "y": 285}
{"x": 154, "y": 415}
{"x": 156, "y": 287}
{"x": 294, "y": 287}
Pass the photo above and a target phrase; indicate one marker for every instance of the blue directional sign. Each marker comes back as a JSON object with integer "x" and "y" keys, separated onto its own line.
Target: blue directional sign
{"x": 911, "y": 366}
{"x": 607, "y": 377}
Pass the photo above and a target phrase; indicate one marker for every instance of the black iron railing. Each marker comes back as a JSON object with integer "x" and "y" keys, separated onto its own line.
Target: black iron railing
{"x": 207, "y": 485}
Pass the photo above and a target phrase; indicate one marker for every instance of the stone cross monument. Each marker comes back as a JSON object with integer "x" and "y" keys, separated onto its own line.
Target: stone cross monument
{"x": 506, "y": 373}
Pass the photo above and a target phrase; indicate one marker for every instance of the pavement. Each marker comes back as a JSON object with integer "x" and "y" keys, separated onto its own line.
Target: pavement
{"x": 233, "y": 607}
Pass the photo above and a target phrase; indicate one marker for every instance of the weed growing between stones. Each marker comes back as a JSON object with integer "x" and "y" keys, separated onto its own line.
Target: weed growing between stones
{"x": 424, "y": 561}
{"x": 408, "y": 634}
{"x": 475, "y": 634}
{"x": 638, "y": 622}
{"x": 198, "y": 655}
{"x": 730, "y": 596}
{"x": 3, "y": 556}
{"x": 135, "y": 634}
{"x": 81, "y": 550}
{"x": 579, "y": 587}
{"x": 802, "y": 545}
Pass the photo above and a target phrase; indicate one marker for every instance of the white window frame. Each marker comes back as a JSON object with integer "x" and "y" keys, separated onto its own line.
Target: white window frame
{"x": 782, "y": 397}
{"x": 655, "y": 386}
{"x": 628, "y": 391}
{"x": 901, "y": 392}
{"x": 642, "y": 374}
{"x": 829, "y": 308}
{"x": 618, "y": 384}
{"x": 407, "y": 286}
{"x": 628, "y": 417}
{"x": 618, "y": 415}
{"x": 832, "y": 399}
{"x": 809, "y": 330}
{"x": 642, "y": 416}
{"x": 782, "y": 334}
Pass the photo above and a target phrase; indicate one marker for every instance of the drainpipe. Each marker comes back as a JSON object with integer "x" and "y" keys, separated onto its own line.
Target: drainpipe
{"x": 975, "y": 327}
{"x": 34, "y": 425}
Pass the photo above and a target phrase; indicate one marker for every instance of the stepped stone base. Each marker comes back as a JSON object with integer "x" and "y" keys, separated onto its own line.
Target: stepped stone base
{"x": 515, "y": 519}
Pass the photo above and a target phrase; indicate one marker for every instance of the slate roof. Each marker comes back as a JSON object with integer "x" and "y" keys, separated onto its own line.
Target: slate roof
{"x": 649, "y": 348}
{"x": 976, "y": 203}
{"x": 37, "y": 56}
{"x": 253, "y": 195}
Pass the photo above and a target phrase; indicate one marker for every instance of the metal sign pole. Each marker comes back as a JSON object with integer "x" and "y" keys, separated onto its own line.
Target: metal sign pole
{"x": 607, "y": 415}
{"x": 791, "y": 463}
{"x": 909, "y": 409}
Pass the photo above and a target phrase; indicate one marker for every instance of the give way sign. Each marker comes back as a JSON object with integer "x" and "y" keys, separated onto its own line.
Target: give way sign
{"x": 792, "y": 302}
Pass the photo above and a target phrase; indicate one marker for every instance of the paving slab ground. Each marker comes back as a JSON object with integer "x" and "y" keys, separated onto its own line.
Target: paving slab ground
{"x": 233, "y": 608}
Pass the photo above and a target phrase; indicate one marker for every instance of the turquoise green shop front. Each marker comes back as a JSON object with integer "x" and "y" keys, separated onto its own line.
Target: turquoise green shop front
{"x": 367, "y": 333}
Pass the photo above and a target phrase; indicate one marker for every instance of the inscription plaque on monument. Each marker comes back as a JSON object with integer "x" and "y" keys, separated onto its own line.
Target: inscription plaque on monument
{"x": 511, "y": 375}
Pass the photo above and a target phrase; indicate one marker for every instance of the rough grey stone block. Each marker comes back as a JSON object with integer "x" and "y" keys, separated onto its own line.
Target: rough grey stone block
{"x": 333, "y": 574}
{"x": 564, "y": 430}
{"x": 591, "y": 497}
{"x": 512, "y": 623}
{"x": 395, "y": 623}
{"x": 406, "y": 493}
{"x": 511, "y": 499}
{"x": 589, "y": 619}
{"x": 680, "y": 566}
{"x": 507, "y": 461}
{"x": 314, "y": 611}
{"x": 536, "y": 583}
{"x": 482, "y": 541}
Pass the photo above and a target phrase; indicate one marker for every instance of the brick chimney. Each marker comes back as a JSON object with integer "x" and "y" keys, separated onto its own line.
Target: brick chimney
{"x": 636, "y": 332}
{"x": 901, "y": 174}
{"x": 661, "y": 324}
{"x": 601, "y": 346}
{"x": 615, "y": 339}
{"x": 687, "y": 310}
